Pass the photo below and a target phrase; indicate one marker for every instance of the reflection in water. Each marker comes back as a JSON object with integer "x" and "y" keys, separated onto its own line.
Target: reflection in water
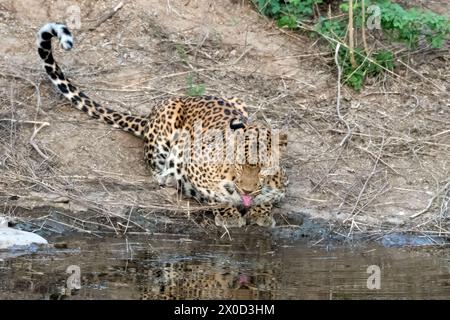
{"x": 248, "y": 267}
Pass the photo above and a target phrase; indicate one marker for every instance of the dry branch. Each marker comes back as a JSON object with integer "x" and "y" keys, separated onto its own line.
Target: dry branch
{"x": 33, "y": 143}
{"x": 107, "y": 16}
{"x": 363, "y": 27}
{"x": 338, "y": 98}
{"x": 421, "y": 76}
{"x": 361, "y": 192}
{"x": 351, "y": 37}
{"x": 35, "y": 132}
{"x": 430, "y": 202}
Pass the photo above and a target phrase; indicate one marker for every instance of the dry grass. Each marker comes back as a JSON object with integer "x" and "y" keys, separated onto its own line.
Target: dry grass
{"x": 392, "y": 172}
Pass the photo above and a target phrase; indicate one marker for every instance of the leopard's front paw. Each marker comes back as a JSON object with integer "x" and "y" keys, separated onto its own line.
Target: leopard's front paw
{"x": 262, "y": 218}
{"x": 235, "y": 220}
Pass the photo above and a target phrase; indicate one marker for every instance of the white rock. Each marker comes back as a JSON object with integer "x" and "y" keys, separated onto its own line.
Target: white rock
{"x": 12, "y": 237}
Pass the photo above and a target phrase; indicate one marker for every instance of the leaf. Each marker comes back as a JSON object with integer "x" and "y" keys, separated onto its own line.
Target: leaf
{"x": 275, "y": 7}
{"x": 437, "y": 41}
{"x": 287, "y": 21}
{"x": 344, "y": 7}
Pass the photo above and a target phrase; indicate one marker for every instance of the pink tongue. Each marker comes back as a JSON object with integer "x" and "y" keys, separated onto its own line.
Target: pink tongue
{"x": 243, "y": 279}
{"x": 247, "y": 200}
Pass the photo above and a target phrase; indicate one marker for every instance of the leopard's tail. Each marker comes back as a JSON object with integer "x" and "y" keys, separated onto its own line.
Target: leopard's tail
{"x": 134, "y": 124}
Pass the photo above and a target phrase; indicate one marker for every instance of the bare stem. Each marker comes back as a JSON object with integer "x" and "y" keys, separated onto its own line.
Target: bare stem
{"x": 351, "y": 44}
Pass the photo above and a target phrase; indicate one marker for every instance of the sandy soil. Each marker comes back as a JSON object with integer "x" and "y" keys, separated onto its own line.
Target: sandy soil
{"x": 395, "y": 161}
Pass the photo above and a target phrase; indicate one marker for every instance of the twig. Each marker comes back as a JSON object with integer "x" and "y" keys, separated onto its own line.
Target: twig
{"x": 363, "y": 27}
{"x": 369, "y": 201}
{"x": 338, "y": 99}
{"x": 226, "y": 233}
{"x": 170, "y": 9}
{"x": 128, "y": 220}
{"x": 381, "y": 160}
{"x": 26, "y": 121}
{"x": 74, "y": 227}
{"x": 33, "y": 143}
{"x": 82, "y": 221}
{"x": 242, "y": 55}
{"x": 361, "y": 192}
{"x": 107, "y": 16}
{"x": 318, "y": 184}
{"x": 35, "y": 132}
{"x": 421, "y": 76}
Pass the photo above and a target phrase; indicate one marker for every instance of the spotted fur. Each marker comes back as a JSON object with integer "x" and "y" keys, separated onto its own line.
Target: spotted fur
{"x": 245, "y": 189}
{"x": 189, "y": 280}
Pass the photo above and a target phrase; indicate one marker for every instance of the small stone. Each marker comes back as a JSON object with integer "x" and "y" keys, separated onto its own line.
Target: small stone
{"x": 60, "y": 245}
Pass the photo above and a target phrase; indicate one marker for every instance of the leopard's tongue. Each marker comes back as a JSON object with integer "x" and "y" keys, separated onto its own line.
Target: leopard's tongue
{"x": 246, "y": 200}
{"x": 243, "y": 279}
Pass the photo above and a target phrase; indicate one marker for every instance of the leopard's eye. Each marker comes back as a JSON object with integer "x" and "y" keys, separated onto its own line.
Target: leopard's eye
{"x": 229, "y": 188}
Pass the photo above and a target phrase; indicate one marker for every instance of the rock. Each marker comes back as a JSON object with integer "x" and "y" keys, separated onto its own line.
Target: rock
{"x": 10, "y": 237}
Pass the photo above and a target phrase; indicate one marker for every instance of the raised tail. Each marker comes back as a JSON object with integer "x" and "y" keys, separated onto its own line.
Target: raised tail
{"x": 134, "y": 124}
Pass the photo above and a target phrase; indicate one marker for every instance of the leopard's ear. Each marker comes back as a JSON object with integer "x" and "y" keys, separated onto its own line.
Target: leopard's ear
{"x": 237, "y": 124}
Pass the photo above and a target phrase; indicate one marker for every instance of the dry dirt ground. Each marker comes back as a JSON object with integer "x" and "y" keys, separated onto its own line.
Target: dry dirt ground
{"x": 394, "y": 164}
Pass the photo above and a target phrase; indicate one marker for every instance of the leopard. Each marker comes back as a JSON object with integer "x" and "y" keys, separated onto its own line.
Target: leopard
{"x": 174, "y": 280}
{"x": 205, "y": 146}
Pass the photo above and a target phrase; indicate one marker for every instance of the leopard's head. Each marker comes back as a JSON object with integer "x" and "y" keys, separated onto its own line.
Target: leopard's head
{"x": 258, "y": 175}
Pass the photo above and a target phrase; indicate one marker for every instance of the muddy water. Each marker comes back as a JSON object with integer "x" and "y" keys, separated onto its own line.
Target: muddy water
{"x": 246, "y": 267}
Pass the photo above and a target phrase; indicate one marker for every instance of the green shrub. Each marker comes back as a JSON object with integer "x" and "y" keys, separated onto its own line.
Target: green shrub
{"x": 408, "y": 26}
{"x": 194, "y": 90}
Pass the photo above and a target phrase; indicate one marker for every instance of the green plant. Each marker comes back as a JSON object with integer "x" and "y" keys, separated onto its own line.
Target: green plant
{"x": 330, "y": 27}
{"x": 181, "y": 51}
{"x": 286, "y": 12}
{"x": 354, "y": 76}
{"x": 408, "y": 26}
{"x": 194, "y": 90}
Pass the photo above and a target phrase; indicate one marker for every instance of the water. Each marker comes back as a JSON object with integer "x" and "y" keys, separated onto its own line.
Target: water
{"x": 251, "y": 266}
